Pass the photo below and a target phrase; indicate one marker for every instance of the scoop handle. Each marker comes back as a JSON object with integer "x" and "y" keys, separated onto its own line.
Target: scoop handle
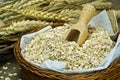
{"x": 87, "y": 13}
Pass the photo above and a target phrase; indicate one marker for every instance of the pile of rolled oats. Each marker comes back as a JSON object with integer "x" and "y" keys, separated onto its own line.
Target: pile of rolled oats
{"x": 51, "y": 45}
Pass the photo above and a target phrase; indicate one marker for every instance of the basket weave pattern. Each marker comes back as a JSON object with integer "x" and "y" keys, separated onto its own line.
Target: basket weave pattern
{"x": 31, "y": 72}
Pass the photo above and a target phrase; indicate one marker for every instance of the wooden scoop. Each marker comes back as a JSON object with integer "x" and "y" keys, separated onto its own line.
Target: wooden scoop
{"x": 78, "y": 32}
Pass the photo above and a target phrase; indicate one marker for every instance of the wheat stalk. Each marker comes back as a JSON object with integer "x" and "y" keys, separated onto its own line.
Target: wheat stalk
{"x": 71, "y": 13}
{"x": 5, "y": 49}
{"x": 19, "y": 3}
{"x": 11, "y": 18}
{"x": 22, "y": 26}
{"x": 5, "y": 14}
{"x": 101, "y": 0}
{"x": 101, "y": 5}
{"x": 34, "y": 6}
{"x": 5, "y": 8}
{"x": 43, "y": 15}
{"x": 57, "y": 5}
{"x": 31, "y": 3}
{"x": 6, "y": 3}
{"x": 77, "y": 1}
{"x": 53, "y": 6}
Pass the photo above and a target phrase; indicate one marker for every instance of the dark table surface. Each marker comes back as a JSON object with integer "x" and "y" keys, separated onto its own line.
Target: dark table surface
{"x": 10, "y": 69}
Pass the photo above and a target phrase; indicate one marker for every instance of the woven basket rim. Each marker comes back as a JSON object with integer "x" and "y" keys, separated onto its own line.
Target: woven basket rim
{"x": 114, "y": 68}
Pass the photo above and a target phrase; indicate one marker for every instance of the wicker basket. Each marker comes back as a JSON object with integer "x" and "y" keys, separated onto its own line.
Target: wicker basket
{"x": 32, "y": 72}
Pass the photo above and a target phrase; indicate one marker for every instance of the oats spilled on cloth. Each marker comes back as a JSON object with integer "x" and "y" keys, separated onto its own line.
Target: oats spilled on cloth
{"x": 51, "y": 45}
